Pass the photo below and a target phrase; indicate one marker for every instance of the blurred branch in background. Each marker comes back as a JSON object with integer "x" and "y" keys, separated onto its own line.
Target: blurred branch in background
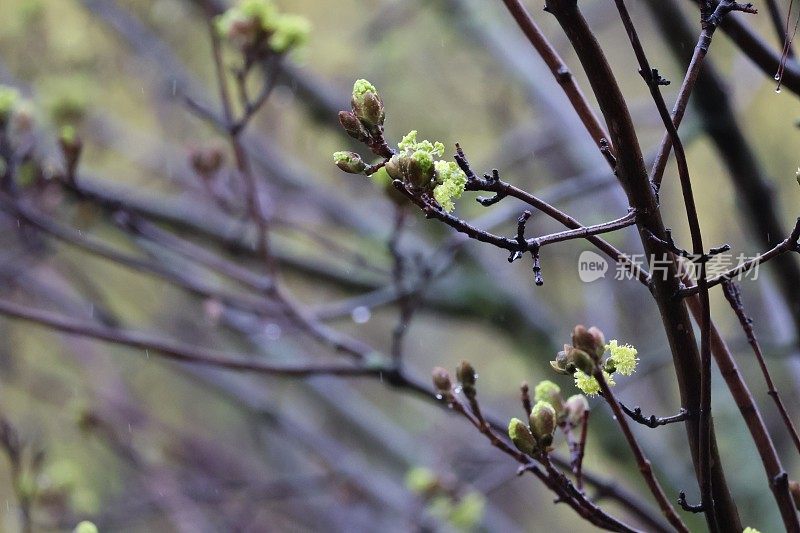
{"x": 251, "y": 245}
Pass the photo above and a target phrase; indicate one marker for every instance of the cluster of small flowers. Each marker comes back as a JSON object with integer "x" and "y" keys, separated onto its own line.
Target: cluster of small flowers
{"x": 415, "y": 163}
{"x": 584, "y": 355}
{"x": 251, "y": 24}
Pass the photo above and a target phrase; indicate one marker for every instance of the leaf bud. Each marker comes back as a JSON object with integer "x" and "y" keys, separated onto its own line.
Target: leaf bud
{"x": 521, "y": 436}
{"x": 349, "y": 162}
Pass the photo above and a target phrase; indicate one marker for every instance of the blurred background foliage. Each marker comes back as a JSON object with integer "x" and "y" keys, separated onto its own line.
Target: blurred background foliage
{"x": 270, "y": 454}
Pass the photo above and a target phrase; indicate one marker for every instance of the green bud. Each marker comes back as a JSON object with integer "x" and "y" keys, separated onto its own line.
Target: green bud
{"x": 352, "y": 126}
{"x": 441, "y": 380}
{"x": 582, "y": 361}
{"x": 547, "y": 391}
{"x": 575, "y": 407}
{"x": 349, "y": 162}
{"x": 367, "y": 104}
{"x": 543, "y": 423}
{"x": 85, "y": 527}
{"x": 521, "y": 436}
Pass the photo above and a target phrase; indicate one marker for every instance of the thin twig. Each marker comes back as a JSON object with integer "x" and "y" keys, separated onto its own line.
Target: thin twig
{"x": 641, "y": 460}
{"x": 732, "y": 294}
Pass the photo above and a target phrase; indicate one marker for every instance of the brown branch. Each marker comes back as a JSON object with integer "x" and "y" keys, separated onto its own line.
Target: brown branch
{"x": 645, "y": 467}
{"x": 689, "y": 81}
{"x": 561, "y": 73}
{"x": 776, "y": 475}
{"x": 732, "y": 294}
{"x": 633, "y": 176}
{"x": 790, "y": 244}
{"x": 173, "y": 350}
{"x": 654, "y": 82}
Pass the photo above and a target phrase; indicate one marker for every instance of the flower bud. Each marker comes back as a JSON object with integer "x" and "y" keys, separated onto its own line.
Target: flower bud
{"x": 85, "y": 527}
{"x": 367, "y": 105}
{"x": 374, "y": 113}
{"x": 393, "y": 168}
{"x": 547, "y": 391}
{"x": 349, "y": 162}
{"x": 592, "y": 341}
{"x": 441, "y": 380}
{"x": 582, "y": 361}
{"x": 575, "y": 407}
{"x": 352, "y": 126}
{"x": 417, "y": 169}
{"x": 466, "y": 374}
{"x": 521, "y": 436}
{"x": 206, "y": 161}
{"x": 543, "y": 423}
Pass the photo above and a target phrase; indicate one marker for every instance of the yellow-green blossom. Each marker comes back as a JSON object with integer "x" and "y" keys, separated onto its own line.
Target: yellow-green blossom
{"x": 750, "y": 530}
{"x": 623, "y": 357}
{"x": 290, "y": 31}
{"x": 589, "y": 384}
{"x": 246, "y": 21}
{"x": 452, "y": 182}
{"x": 410, "y": 143}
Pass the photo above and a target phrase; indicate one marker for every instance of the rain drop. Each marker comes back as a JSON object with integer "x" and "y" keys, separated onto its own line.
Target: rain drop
{"x": 361, "y": 314}
{"x": 272, "y": 332}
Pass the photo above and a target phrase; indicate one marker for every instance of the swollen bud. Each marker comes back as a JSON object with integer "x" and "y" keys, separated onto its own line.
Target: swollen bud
{"x": 417, "y": 169}
{"x": 206, "y": 161}
{"x": 352, "y": 126}
{"x": 367, "y": 105}
{"x": 85, "y": 527}
{"x": 441, "y": 380}
{"x": 373, "y": 112}
{"x": 543, "y": 423}
{"x": 592, "y": 341}
{"x": 466, "y": 374}
{"x": 582, "y": 361}
{"x": 349, "y": 162}
{"x": 547, "y": 391}
{"x": 575, "y": 407}
{"x": 521, "y": 436}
